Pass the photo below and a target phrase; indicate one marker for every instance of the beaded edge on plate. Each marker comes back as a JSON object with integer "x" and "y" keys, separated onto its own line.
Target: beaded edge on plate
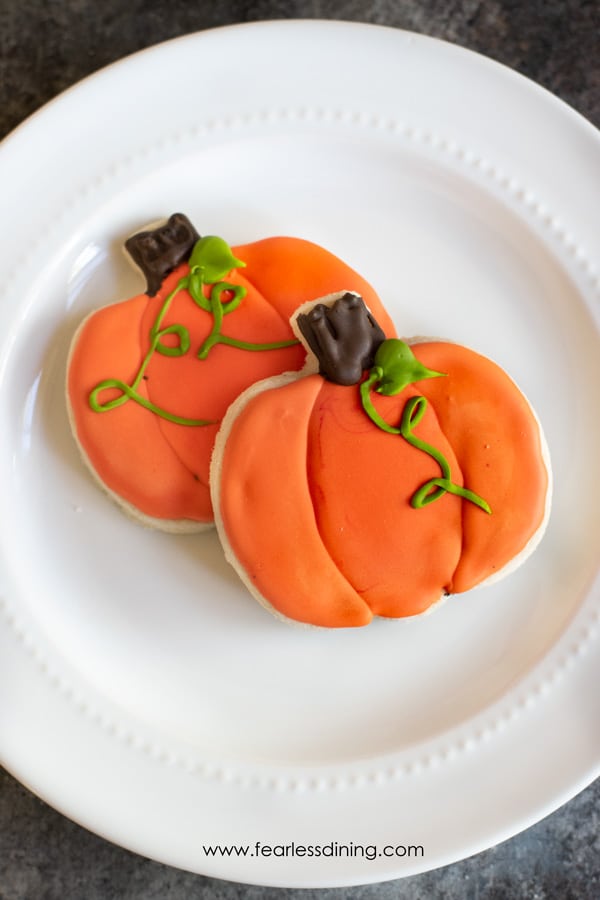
{"x": 587, "y": 632}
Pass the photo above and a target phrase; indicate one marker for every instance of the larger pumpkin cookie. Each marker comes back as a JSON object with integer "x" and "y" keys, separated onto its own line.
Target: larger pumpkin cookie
{"x": 150, "y": 378}
{"x": 384, "y": 477}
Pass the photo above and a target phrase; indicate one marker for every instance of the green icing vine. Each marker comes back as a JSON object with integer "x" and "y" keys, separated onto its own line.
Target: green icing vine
{"x": 210, "y": 261}
{"x": 395, "y": 367}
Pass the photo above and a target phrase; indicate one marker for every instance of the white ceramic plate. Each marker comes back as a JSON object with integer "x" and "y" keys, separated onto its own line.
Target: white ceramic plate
{"x": 142, "y": 692}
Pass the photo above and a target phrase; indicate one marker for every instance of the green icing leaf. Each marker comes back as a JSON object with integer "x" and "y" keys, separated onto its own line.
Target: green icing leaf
{"x": 399, "y": 367}
{"x": 212, "y": 259}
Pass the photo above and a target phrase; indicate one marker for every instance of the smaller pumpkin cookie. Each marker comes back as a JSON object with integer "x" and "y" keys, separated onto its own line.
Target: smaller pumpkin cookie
{"x": 382, "y": 478}
{"x": 150, "y": 378}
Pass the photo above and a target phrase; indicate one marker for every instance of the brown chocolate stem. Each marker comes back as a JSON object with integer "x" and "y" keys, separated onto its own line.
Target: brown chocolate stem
{"x": 344, "y": 338}
{"x": 158, "y": 251}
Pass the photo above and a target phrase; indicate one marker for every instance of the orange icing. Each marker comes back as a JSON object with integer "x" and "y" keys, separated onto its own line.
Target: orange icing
{"x": 266, "y": 505}
{"x": 113, "y": 442}
{"x": 159, "y": 467}
{"x": 497, "y": 439}
{"x": 360, "y": 479}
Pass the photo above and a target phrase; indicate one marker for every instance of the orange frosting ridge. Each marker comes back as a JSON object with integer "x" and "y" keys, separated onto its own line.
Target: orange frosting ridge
{"x": 268, "y": 511}
{"x": 109, "y": 343}
{"x": 361, "y": 480}
{"x": 159, "y": 467}
{"x": 497, "y": 439}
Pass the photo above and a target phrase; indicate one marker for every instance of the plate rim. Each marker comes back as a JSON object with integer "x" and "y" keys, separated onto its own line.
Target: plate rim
{"x": 47, "y": 111}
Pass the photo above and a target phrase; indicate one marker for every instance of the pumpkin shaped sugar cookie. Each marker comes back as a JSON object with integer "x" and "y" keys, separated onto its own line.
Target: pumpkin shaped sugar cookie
{"x": 150, "y": 378}
{"x": 382, "y": 478}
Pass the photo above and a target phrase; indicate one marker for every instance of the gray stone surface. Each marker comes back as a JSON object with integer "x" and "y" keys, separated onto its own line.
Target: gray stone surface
{"x": 44, "y": 856}
{"x": 47, "y": 45}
